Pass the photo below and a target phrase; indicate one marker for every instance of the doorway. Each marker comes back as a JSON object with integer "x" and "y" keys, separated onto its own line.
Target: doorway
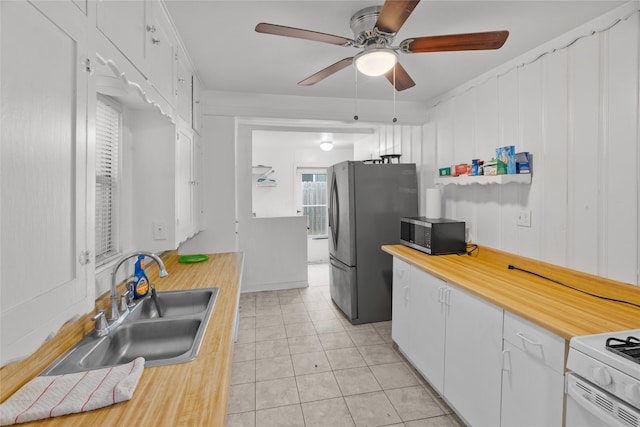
{"x": 311, "y": 202}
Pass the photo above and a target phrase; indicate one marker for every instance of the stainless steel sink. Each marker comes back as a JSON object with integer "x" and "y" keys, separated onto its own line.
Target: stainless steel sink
{"x": 173, "y": 304}
{"x": 174, "y": 338}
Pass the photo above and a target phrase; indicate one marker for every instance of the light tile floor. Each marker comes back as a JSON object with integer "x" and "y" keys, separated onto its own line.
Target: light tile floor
{"x": 299, "y": 362}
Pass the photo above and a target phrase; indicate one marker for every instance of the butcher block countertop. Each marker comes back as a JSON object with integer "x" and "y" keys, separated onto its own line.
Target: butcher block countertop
{"x": 565, "y": 312}
{"x": 189, "y": 394}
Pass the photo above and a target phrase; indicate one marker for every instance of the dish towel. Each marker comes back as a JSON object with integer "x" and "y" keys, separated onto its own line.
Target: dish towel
{"x": 46, "y": 397}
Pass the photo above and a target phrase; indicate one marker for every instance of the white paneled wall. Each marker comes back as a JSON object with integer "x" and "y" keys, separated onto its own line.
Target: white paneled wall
{"x": 572, "y": 103}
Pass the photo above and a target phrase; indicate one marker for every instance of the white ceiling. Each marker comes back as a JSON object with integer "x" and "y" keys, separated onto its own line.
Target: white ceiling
{"x": 230, "y": 56}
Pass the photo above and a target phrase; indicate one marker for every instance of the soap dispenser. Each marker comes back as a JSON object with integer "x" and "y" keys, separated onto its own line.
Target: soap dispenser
{"x": 140, "y": 285}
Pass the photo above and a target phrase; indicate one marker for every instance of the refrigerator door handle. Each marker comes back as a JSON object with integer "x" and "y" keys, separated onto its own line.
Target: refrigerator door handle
{"x": 334, "y": 211}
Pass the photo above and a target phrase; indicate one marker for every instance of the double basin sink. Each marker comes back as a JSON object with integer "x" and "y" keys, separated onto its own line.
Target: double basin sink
{"x": 166, "y": 331}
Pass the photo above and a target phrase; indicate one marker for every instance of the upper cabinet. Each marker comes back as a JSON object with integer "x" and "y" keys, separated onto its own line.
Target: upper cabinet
{"x": 143, "y": 33}
{"x": 127, "y": 24}
{"x": 197, "y": 111}
{"x": 162, "y": 44}
{"x": 184, "y": 89}
{"x": 46, "y": 247}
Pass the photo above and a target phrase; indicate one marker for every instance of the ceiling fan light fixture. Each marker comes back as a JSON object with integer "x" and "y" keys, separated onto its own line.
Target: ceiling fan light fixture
{"x": 376, "y": 62}
{"x": 326, "y": 145}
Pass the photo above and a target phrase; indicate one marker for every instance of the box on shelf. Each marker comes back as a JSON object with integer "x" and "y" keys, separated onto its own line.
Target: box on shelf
{"x": 445, "y": 171}
{"x": 494, "y": 167}
{"x": 461, "y": 169}
{"x": 507, "y": 155}
{"x": 523, "y": 162}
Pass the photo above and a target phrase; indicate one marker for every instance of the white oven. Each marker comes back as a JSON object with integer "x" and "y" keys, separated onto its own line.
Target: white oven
{"x": 603, "y": 380}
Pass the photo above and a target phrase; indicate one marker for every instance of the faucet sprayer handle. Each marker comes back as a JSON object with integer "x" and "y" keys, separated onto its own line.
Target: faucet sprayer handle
{"x": 101, "y": 321}
{"x": 125, "y": 301}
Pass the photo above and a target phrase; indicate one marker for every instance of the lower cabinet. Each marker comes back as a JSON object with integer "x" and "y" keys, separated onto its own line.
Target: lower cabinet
{"x": 533, "y": 379}
{"x": 473, "y": 349}
{"x": 492, "y": 367}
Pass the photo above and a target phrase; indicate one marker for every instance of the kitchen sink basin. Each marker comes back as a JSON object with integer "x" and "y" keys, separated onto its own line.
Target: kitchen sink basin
{"x": 173, "y": 304}
{"x": 174, "y": 338}
{"x": 156, "y": 340}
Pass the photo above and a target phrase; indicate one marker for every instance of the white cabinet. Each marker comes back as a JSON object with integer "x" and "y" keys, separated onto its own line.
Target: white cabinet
{"x": 400, "y": 304}
{"x": 126, "y": 24}
{"x": 45, "y": 259}
{"x": 427, "y": 326}
{"x": 143, "y": 33}
{"x": 473, "y": 349}
{"x": 183, "y": 88}
{"x": 196, "y": 109}
{"x": 533, "y": 380}
{"x": 453, "y": 339}
{"x": 162, "y": 48}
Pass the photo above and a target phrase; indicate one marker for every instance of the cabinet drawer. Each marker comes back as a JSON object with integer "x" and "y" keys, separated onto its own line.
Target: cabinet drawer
{"x": 401, "y": 271}
{"x": 535, "y": 341}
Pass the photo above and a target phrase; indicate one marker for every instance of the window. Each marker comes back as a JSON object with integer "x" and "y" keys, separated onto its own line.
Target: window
{"x": 314, "y": 202}
{"x": 108, "y": 123}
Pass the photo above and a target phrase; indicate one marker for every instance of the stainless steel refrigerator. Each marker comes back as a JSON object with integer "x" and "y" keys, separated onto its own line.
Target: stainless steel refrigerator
{"x": 366, "y": 202}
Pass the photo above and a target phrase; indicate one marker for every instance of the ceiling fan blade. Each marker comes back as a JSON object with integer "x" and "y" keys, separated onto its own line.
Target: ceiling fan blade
{"x": 403, "y": 80}
{"x": 281, "y": 30}
{"x": 394, "y": 13}
{"x": 451, "y": 42}
{"x": 324, "y": 73}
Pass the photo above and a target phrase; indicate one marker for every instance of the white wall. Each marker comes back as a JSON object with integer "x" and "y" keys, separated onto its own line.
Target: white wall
{"x": 285, "y": 158}
{"x": 573, "y": 103}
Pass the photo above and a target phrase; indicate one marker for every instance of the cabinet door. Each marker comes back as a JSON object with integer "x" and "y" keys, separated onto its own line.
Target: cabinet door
{"x": 532, "y": 379}
{"x": 427, "y": 326}
{"x": 184, "y": 184}
{"x": 45, "y": 273}
{"x": 473, "y": 369}
{"x": 196, "y": 111}
{"x": 184, "y": 91}
{"x": 532, "y": 393}
{"x": 400, "y": 304}
{"x": 125, "y": 24}
{"x": 162, "y": 46}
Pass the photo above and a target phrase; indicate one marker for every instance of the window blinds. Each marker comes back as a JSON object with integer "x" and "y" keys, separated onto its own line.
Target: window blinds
{"x": 107, "y": 144}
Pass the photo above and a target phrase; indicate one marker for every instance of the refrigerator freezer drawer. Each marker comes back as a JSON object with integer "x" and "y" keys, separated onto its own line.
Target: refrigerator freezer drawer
{"x": 342, "y": 284}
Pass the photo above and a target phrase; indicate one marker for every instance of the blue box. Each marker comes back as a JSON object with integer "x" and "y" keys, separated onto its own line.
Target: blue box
{"x": 507, "y": 155}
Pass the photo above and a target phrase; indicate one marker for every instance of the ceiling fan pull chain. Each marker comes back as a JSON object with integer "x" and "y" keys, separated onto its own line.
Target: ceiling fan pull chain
{"x": 395, "y": 119}
{"x": 355, "y": 117}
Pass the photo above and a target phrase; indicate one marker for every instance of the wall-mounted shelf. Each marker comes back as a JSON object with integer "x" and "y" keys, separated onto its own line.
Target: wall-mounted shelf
{"x": 485, "y": 179}
{"x": 263, "y": 173}
{"x": 260, "y": 169}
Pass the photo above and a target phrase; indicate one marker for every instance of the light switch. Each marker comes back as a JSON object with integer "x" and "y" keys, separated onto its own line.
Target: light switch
{"x": 523, "y": 219}
{"x": 159, "y": 230}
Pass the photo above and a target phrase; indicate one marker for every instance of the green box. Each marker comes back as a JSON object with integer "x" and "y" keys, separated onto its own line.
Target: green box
{"x": 445, "y": 171}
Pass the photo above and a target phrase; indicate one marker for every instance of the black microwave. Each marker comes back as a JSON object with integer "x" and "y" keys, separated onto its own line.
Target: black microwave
{"x": 433, "y": 236}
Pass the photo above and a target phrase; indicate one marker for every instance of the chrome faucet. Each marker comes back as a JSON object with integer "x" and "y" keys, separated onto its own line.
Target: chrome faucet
{"x": 117, "y": 316}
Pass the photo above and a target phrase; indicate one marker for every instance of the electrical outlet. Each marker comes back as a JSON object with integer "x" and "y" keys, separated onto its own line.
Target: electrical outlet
{"x": 159, "y": 230}
{"x": 523, "y": 219}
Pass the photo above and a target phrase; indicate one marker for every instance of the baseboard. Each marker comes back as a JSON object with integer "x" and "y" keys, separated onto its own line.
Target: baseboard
{"x": 258, "y": 287}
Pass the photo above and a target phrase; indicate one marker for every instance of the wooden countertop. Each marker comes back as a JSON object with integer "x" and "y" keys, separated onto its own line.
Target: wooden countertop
{"x": 563, "y": 311}
{"x": 189, "y": 394}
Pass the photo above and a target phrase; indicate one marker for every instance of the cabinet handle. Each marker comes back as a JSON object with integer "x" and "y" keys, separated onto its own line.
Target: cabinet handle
{"x": 151, "y": 28}
{"x": 155, "y": 40}
{"x": 506, "y": 354}
{"x": 525, "y": 339}
{"x": 440, "y": 297}
{"x": 406, "y": 295}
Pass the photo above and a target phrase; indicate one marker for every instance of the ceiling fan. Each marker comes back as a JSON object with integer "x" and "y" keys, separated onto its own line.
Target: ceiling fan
{"x": 374, "y": 29}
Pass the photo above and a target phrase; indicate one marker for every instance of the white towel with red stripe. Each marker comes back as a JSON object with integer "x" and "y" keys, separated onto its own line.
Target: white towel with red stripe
{"x": 46, "y": 397}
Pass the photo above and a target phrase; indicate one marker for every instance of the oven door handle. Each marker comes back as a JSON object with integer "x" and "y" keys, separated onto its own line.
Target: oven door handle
{"x": 579, "y": 398}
